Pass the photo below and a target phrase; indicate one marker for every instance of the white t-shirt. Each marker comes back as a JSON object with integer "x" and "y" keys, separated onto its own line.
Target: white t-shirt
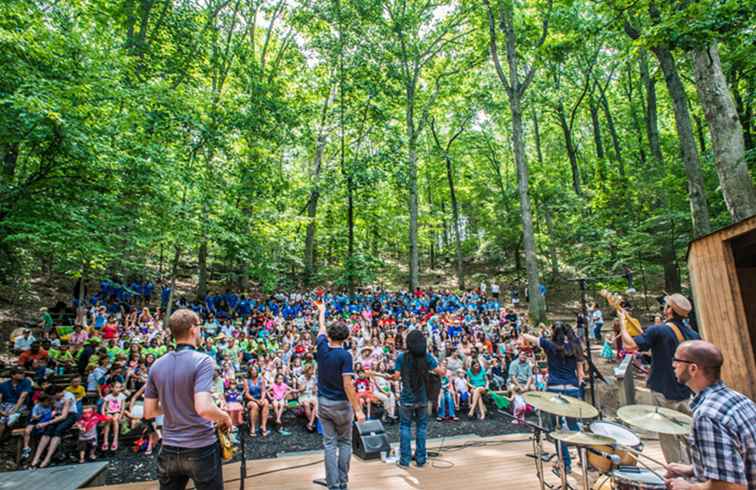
{"x": 114, "y": 403}
{"x": 494, "y": 288}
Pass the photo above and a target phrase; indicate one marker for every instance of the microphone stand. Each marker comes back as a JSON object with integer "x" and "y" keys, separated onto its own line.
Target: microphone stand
{"x": 538, "y": 432}
{"x": 242, "y": 435}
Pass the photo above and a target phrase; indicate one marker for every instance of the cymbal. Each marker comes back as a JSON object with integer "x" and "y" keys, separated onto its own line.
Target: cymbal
{"x": 578, "y": 438}
{"x": 655, "y": 419}
{"x": 562, "y": 405}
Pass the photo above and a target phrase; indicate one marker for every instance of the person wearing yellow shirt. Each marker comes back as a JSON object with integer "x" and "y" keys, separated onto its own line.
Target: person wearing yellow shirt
{"x": 77, "y": 388}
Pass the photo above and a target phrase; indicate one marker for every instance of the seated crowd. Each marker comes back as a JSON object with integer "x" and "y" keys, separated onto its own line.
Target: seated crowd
{"x": 85, "y": 383}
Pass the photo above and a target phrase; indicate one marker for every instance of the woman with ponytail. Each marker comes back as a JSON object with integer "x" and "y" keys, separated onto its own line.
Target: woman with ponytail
{"x": 565, "y": 360}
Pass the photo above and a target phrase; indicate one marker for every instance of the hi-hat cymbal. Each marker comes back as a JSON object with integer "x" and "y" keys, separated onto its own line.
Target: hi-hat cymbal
{"x": 655, "y": 419}
{"x": 562, "y": 405}
{"x": 578, "y": 438}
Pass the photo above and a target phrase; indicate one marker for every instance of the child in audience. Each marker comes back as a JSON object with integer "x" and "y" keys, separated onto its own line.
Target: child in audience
{"x": 363, "y": 388}
{"x": 87, "y": 426}
{"x": 114, "y": 405}
{"x": 461, "y": 394}
{"x": 278, "y": 392}
{"x": 41, "y": 412}
{"x": 233, "y": 399}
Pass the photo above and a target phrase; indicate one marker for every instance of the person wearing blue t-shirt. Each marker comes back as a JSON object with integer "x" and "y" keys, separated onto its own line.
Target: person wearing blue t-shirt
{"x": 337, "y": 401}
{"x": 412, "y": 368}
{"x": 564, "y": 356}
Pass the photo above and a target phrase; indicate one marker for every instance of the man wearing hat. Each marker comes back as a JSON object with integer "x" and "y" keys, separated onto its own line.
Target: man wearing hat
{"x": 662, "y": 340}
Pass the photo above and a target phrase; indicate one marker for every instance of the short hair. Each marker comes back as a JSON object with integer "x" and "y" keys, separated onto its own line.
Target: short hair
{"x": 337, "y": 332}
{"x": 181, "y": 321}
{"x": 706, "y": 355}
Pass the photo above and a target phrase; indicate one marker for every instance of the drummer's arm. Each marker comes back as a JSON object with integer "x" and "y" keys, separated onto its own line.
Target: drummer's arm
{"x": 531, "y": 338}
{"x": 580, "y": 372}
{"x": 627, "y": 339}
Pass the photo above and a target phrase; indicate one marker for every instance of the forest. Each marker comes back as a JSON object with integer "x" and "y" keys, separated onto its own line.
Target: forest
{"x": 282, "y": 144}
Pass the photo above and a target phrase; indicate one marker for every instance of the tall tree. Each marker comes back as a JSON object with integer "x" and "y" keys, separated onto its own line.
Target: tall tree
{"x": 515, "y": 85}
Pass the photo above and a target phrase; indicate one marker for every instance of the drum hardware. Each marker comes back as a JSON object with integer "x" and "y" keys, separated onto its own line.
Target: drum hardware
{"x": 655, "y": 419}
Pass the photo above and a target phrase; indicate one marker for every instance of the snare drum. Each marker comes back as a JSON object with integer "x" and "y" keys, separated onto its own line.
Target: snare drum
{"x": 623, "y": 436}
{"x": 636, "y": 479}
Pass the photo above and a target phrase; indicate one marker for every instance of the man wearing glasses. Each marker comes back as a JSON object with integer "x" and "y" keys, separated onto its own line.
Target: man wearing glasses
{"x": 723, "y": 436}
{"x": 662, "y": 340}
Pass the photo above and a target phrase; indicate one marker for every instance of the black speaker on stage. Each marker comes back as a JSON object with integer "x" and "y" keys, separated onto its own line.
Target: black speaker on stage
{"x": 369, "y": 439}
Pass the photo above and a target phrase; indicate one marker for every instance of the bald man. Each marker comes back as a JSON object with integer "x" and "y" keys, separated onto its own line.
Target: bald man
{"x": 723, "y": 436}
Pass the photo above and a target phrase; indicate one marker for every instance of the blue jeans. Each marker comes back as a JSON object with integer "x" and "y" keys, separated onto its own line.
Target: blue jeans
{"x": 446, "y": 401}
{"x": 336, "y": 420}
{"x": 571, "y": 423}
{"x": 408, "y": 413}
{"x": 177, "y": 465}
{"x": 597, "y": 330}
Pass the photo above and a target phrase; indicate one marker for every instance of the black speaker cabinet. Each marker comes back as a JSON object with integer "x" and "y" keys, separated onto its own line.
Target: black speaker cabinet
{"x": 369, "y": 439}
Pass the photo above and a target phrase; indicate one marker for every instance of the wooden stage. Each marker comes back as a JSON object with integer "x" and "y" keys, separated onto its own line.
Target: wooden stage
{"x": 490, "y": 463}
{"x": 67, "y": 477}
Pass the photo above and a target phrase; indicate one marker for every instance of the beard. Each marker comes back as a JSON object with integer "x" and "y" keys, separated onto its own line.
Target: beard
{"x": 684, "y": 377}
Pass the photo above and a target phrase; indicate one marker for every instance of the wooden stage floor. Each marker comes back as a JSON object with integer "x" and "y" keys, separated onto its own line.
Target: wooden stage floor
{"x": 490, "y": 462}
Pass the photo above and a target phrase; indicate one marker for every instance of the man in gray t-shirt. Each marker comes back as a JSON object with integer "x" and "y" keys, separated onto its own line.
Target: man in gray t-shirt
{"x": 179, "y": 387}
{"x": 174, "y": 379}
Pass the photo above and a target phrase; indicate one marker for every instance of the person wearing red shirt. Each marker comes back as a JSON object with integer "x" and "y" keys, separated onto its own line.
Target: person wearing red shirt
{"x": 29, "y": 357}
{"x": 110, "y": 330}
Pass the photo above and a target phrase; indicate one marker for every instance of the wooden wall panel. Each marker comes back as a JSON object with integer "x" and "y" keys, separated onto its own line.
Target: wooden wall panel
{"x": 719, "y": 304}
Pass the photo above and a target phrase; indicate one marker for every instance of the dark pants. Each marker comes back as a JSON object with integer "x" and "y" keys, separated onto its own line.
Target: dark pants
{"x": 572, "y": 424}
{"x": 177, "y": 465}
{"x": 408, "y": 413}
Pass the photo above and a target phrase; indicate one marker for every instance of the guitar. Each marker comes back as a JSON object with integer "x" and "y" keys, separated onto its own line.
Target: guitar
{"x": 632, "y": 325}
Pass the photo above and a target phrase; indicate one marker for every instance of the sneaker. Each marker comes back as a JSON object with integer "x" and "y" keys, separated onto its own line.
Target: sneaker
{"x": 284, "y": 432}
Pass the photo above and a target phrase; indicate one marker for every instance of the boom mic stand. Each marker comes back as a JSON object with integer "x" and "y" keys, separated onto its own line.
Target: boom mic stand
{"x": 242, "y": 447}
{"x": 592, "y": 371}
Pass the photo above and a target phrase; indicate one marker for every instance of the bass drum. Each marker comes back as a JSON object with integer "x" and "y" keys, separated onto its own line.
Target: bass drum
{"x": 623, "y": 436}
{"x": 636, "y": 479}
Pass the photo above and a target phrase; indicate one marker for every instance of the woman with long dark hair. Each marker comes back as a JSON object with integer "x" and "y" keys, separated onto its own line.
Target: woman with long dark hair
{"x": 413, "y": 367}
{"x": 565, "y": 360}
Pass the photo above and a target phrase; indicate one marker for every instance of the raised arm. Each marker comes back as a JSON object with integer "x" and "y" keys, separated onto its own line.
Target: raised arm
{"x": 321, "y": 318}
{"x": 627, "y": 339}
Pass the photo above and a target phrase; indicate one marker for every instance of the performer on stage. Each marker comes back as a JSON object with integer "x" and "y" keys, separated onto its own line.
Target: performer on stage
{"x": 723, "y": 437}
{"x": 337, "y": 401}
{"x": 179, "y": 386}
{"x": 565, "y": 360}
{"x": 662, "y": 340}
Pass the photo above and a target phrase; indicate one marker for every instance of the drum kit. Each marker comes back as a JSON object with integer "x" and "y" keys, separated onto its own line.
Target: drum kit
{"x": 612, "y": 449}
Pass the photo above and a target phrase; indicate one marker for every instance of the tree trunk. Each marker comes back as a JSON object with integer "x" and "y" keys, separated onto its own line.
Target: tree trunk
{"x": 9, "y": 154}
{"x": 537, "y": 134}
{"x": 696, "y": 191}
{"x": 570, "y": 146}
{"x": 312, "y": 204}
{"x": 671, "y": 271}
{"x": 444, "y": 225}
{"x": 652, "y": 125}
{"x": 174, "y": 272}
{"x": 613, "y": 134}
{"x": 553, "y": 259}
{"x": 597, "y": 141}
{"x": 455, "y": 217}
{"x": 202, "y": 265}
{"x": 634, "y": 115}
{"x": 515, "y": 89}
{"x": 726, "y": 133}
{"x": 412, "y": 164}
{"x": 745, "y": 111}
{"x": 700, "y": 133}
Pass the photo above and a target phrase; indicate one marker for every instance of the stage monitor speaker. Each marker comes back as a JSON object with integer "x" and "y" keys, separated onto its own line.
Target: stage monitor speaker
{"x": 369, "y": 439}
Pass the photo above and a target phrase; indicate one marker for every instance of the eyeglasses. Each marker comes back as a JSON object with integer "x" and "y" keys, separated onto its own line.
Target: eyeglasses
{"x": 685, "y": 361}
